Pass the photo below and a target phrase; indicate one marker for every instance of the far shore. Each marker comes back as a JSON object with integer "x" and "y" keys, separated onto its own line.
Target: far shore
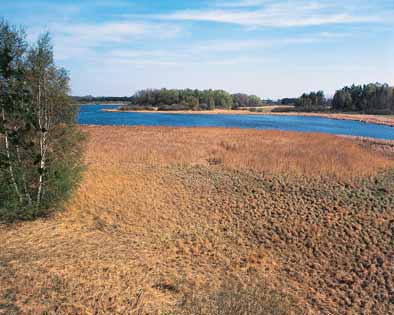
{"x": 100, "y": 103}
{"x": 371, "y": 119}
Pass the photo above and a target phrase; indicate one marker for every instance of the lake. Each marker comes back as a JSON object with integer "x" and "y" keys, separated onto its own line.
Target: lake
{"x": 93, "y": 115}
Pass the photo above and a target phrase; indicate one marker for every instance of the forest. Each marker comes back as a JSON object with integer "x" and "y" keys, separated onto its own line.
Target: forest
{"x": 372, "y": 98}
{"x": 312, "y": 100}
{"x": 184, "y": 99}
{"x": 100, "y": 99}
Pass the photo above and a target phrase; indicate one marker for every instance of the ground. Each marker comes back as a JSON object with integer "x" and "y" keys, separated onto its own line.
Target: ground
{"x": 163, "y": 211}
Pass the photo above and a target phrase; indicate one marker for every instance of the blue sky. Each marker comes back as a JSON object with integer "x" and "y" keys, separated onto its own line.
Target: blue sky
{"x": 270, "y": 48}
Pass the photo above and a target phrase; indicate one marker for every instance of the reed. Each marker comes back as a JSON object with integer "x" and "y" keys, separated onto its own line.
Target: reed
{"x": 163, "y": 212}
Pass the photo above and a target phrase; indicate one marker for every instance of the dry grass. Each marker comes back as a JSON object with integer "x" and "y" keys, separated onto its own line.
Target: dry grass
{"x": 263, "y": 151}
{"x": 165, "y": 211}
{"x": 234, "y": 298}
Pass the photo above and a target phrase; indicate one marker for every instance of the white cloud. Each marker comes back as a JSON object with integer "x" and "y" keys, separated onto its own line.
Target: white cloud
{"x": 140, "y": 62}
{"x": 64, "y": 51}
{"x": 184, "y": 62}
{"x": 83, "y": 40}
{"x": 94, "y": 34}
{"x": 244, "y": 45}
{"x": 282, "y": 14}
{"x": 262, "y": 18}
{"x": 241, "y": 4}
{"x": 213, "y": 52}
{"x": 133, "y": 53}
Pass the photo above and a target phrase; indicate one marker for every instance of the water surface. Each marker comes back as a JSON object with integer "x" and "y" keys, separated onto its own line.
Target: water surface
{"x": 93, "y": 115}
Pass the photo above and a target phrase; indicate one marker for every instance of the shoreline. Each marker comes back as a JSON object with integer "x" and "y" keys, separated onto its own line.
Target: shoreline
{"x": 370, "y": 119}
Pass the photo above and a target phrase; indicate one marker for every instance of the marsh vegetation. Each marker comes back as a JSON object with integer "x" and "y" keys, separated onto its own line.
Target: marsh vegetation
{"x": 163, "y": 214}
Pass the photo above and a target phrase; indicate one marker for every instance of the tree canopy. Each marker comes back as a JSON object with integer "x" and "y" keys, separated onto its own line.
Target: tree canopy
{"x": 194, "y": 99}
{"x": 311, "y": 100}
{"x": 373, "y": 98}
{"x": 100, "y": 99}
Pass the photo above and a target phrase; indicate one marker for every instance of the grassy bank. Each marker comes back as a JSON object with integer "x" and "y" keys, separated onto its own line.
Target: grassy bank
{"x": 163, "y": 212}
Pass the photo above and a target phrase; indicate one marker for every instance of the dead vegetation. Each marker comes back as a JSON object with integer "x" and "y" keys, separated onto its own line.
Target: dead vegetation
{"x": 234, "y": 297}
{"x": 164, "y": 213}
{"x": 269, "y": 151}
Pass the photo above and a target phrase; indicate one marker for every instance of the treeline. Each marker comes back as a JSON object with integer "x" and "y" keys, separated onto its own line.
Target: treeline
{"x": 89, "y": 99}
{"x": 313, "y": 100}
{"x": 373, "y": 98}
{"x": 288, "y": 101}
{"x": 193, "y": 99}
{"x": 39, "y": 143}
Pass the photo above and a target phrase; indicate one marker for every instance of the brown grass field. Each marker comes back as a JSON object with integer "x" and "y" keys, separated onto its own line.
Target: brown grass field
{"x": 162, "y": 212}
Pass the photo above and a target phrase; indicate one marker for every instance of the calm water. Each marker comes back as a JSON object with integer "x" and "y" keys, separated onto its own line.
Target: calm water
{"x": 93, "y": 115}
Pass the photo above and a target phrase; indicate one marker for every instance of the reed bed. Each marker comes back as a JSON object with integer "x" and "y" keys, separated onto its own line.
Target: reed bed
{"x": 307, "y": 154}
{"x": 163, "y": 213}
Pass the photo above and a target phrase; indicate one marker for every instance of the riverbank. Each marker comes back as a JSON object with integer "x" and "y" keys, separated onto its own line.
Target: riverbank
{"x": 372, "y": 119}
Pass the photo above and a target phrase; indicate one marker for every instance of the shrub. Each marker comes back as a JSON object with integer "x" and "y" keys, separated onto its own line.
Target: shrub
{"x": 174, "y": 107}
{"x": 62, "y": 174}
{"x": 300, "y": 109}
{"x": 204, "y": 107}
{"x": 137, "y": 108}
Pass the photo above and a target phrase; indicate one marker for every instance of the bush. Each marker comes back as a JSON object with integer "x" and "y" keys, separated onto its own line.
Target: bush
{"x": 290, "y": 109}
{"x": 379, "y": 112}
{"x": 174, "y": 107}
{"x": 63, "y": 173}
{"x": 204, "y": 107}
{"x": 234, "y": 298}
{"x": 137, "y": 108}
{"x": 256, "y": 110}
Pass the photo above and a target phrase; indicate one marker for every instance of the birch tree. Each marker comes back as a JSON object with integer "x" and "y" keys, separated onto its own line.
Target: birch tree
{"x": 40, "y": 74}
{"x": 40, "y": 152}
{"x": 13, "y": 94}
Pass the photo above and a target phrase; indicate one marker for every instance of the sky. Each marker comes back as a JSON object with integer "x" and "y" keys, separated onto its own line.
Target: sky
{"x": 273, "y": 49}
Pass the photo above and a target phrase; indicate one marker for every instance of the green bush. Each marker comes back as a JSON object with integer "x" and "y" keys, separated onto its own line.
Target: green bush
{"x": 174, "y": 107}
{"x": 63, "y": 174}
{"x": 137, "y": 108}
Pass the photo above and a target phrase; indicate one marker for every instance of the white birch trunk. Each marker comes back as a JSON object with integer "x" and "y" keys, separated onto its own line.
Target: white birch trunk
{"x": 42, "y": 163}
{"x": 44, "y": 129}
{"x": 10, "y": 168}
{"x": 24, "y": 183}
